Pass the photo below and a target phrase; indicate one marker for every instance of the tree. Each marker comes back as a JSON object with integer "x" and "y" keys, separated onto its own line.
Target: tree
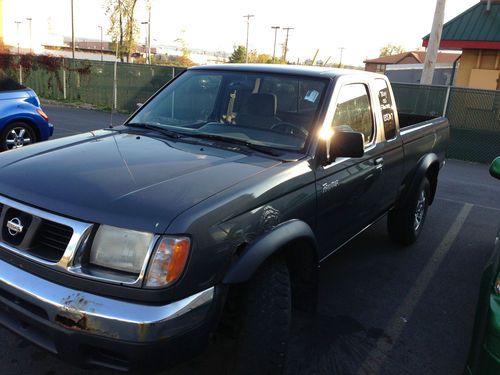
{"x": 391, "y": 49}
{"x": 238, "y": 55}
{"x": 185, "y": 58}
{"x": 258, "y": 58}
{"x": 123, "y": 25}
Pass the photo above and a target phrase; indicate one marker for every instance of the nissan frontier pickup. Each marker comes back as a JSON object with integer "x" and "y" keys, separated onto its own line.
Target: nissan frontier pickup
{"x": 217, "y": 200}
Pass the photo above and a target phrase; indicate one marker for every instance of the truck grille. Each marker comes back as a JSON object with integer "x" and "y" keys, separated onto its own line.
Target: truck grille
{"x": 33, "y": 235}
{"x": 51, "y": 240}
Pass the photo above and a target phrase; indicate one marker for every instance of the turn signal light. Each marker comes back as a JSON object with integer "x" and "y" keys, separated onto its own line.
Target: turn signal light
{"x": 168, "y": 262}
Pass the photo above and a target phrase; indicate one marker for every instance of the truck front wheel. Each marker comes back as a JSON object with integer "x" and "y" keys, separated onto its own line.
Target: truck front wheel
{"x": 405, "y": 223}
{"x": 265, "y": 320}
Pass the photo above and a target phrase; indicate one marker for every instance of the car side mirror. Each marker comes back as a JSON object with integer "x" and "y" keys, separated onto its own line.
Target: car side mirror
{"x": 347, "y": 144}
{"x": 495, "y": 168}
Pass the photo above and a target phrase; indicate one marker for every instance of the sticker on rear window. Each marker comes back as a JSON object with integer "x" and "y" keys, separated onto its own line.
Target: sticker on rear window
{"x": 311, "y": 96}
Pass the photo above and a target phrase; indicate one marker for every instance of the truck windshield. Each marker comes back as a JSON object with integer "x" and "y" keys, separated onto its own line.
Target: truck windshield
{"x": 269, "y": 110}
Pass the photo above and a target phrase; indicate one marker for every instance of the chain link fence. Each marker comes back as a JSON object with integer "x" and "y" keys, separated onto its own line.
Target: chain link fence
{"x": 87, "y": 81}
{"x": 474, "y": 116}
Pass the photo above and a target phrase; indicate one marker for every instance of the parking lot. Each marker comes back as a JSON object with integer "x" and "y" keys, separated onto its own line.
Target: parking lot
{"x": 383, "y": 309}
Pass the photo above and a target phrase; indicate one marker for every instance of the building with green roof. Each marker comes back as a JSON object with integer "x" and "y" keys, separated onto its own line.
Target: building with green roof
{"x": 477, "y": 33}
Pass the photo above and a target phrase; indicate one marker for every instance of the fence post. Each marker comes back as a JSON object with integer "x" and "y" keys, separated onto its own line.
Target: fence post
{"x": 64, "y": 80}
{"x": 446, "y": 100}
{"x": 115, "y": 87}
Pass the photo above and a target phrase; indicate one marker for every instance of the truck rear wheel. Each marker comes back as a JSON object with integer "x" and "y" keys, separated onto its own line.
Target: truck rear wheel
{"x": 405, "y": 223}
{"x": 265, "y": 321}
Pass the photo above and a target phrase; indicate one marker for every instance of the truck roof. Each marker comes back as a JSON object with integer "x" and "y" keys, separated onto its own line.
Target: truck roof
{"x": 309, "y": 71}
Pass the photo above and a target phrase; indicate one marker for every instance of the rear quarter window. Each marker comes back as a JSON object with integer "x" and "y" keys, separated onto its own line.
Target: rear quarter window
{"x": 385, "y": 100}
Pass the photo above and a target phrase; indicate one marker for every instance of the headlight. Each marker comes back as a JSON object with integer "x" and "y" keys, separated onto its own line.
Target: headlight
{"x": 168, "y": 261}
{"x": 120, "y": 249}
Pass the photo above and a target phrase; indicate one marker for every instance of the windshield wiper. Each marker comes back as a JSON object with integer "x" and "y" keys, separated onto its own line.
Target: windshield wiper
{"x": 253, "y": 146}
{"x": 158, "y": 128}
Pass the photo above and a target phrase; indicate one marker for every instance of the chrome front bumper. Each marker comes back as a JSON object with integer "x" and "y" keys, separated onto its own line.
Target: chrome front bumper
{"x": 101, "y": 316}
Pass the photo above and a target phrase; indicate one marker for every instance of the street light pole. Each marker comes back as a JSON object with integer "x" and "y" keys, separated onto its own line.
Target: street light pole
{"x": 72, "y": 32}
{"x": 274, "y": 48}
{"x": 29, "y": 28}
{"x": 248, "y": 16}
{"x": 287, "y": 29}
{"x": 341, "y": 55}
{"x": 149, "y": 32}
{"x": 146, "y": 42}
{"x": 17, "y": 25}
{"x": 100, "y": 27}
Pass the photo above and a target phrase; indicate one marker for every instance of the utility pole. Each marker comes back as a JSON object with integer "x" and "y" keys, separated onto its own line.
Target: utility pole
{"x": 341, "y": 55}
{"x": 248, "y": 16}
{"x": 72, "y": 32}
{"x": 29, "y": 28}
{"x": 101, "y": 41}
{"x": 433, "y": 46}
{"x": 287, "y": 29}
{"x": 276, "y": 28}
{"x": 17, "y": 25}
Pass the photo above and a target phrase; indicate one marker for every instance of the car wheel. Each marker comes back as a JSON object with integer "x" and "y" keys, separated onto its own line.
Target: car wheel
{"x": 265, "y": 321}
{"x": 16, "y": 135}
{"x": 405, "y": 224}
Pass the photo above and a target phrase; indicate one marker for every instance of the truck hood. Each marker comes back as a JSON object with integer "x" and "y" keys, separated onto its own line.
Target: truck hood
{"x": 122, "y": 179}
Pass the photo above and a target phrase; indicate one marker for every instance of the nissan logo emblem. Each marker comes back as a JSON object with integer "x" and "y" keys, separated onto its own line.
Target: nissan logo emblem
{"x": 14, "y": 226}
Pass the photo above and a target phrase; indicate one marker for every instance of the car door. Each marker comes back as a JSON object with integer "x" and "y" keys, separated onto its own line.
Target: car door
{"x": 348, "y": 189}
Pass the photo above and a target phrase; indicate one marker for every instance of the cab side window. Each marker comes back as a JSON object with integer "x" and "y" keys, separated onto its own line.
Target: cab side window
{"x": 385, "y": 99}
{"x": 354, "y": 111}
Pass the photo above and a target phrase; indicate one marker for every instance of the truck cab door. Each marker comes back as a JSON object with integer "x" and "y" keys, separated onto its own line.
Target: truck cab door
{"x": 393, "y": 145}
{"x": 349, "y": 189}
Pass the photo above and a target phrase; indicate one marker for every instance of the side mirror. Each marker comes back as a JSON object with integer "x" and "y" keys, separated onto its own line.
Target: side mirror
{"x": 345, "y": 144}
{"x": 495, "y": 168}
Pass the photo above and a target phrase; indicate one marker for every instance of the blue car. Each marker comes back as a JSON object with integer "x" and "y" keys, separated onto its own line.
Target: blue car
{"x": 22, "y": 120}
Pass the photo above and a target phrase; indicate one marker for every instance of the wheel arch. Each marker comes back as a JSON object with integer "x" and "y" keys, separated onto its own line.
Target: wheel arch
{"x": 427, "y": 167}
{"x": 295, "y": 242}
{"x": 29, "y": 122}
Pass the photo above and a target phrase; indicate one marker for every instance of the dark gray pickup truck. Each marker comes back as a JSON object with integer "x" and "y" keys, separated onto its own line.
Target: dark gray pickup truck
{"x": 217, "y": 200}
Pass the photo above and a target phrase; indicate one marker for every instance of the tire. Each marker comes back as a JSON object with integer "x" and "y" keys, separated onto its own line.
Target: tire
{"x": 16, "y": 135}
{"x": 405, "y": 224}
{"x": 265, "y": 321}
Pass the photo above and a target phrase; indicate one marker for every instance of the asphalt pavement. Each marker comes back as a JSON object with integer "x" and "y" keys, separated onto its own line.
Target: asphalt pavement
{"x": 383, "y": 309}
{"x": 72, "y": 120}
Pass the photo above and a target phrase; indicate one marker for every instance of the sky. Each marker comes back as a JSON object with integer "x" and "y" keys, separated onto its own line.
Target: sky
{"x": 361, "y": 27}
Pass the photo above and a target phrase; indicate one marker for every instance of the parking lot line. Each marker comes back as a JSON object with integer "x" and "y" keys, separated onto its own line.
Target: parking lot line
{"x": 462, "y": 202}
{"x": 378, "y": 355}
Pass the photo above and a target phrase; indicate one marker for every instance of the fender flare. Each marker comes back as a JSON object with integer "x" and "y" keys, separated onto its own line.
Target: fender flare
{"x": 420, "y": 171}
{"x": 265, "y": 246}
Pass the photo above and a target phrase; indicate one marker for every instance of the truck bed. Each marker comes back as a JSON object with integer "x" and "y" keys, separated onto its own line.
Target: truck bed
{"x": 422, "y": 135}
{"x": 409, "y": 119}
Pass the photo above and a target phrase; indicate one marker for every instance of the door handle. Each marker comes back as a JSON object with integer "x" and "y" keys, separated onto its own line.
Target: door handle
{"x": 379, "y": 163}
